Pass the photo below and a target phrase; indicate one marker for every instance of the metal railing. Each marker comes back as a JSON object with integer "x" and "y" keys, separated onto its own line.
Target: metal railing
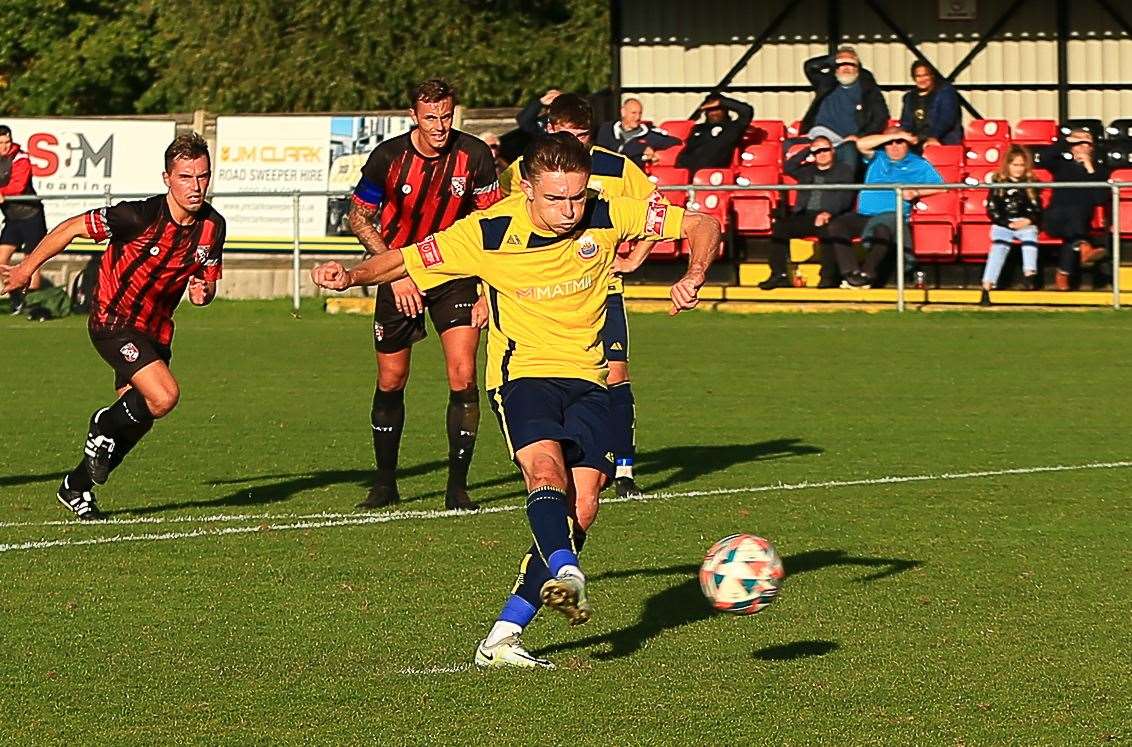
{"x": 296, "y": 197}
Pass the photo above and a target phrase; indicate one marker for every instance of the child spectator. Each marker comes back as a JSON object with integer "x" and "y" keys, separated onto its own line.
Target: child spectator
{"x": 1014, "y": 214}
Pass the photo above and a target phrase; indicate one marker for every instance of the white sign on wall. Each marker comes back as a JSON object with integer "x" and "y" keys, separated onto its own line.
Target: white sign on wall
{"x": 84, "y": 156}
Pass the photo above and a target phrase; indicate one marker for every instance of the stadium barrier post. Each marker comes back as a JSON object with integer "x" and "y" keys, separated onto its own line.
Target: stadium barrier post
{"x": 899, "y": 191}
{"x": 1115, "y": 246}
{"x": 295, "y": 204}
{"x": 106, "y": 195}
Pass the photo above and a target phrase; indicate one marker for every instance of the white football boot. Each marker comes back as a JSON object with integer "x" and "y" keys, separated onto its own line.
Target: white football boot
{"x": 508, "y": 653}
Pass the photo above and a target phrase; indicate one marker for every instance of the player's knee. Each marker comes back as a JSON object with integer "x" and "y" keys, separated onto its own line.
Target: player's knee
{"x": 618, "y": 372}
{"x": 544, "y": 469}
{"x": 392, "y": 380}
{"x": 461, "y": 375}
{"x": 161, "y": 403}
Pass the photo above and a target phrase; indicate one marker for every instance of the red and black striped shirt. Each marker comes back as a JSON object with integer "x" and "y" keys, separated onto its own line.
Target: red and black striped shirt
{"x": 149, "y": 261}
{"x": 419, "y": 196}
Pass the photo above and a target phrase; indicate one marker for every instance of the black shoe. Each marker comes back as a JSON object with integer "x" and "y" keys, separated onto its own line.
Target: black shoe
{"x": 16, "y": 299}
{"x": 98, "y": 449}
{"x": 381, "y": 495}
{"x": 79, "y": 502}
{"x": 776, "y": 281}
{"x": 459, "y": 500}
{"x": 626, "y": 488}
{"x": 984, "y": 299}
{"x": 1029, "y": 282}
{"x": 858, "y": 280}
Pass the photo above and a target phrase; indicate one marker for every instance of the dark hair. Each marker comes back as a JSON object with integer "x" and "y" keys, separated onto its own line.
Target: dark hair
{"x": 189, "y": 146}
{"x": 432, "y": 91}
{"x": 557, "y": 151}
{"x": 570, "y": 109}
{"x": 916, "y": 64}
{"x": 5, "y": 130}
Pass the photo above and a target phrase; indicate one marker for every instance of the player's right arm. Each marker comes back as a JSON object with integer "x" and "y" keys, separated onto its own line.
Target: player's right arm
{"x": 59, "y": 238}
{"x": 447, "y": 255}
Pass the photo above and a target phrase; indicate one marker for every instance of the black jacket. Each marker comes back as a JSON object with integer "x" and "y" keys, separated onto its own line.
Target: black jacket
{"x": 835, "y": 202}
{"x": 1005, "y": 205}
{"x": 1059, "y": 161}
{"x": 711, "y": 145}
{"x": 532, "y": 120}
{"x": 944, "y": 116}
{"x": 633, "y": 148}
{"x": 872, "y": 116}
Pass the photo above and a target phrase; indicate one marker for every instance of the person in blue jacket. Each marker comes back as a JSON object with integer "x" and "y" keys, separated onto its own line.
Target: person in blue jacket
{"x": 931, "y": 109}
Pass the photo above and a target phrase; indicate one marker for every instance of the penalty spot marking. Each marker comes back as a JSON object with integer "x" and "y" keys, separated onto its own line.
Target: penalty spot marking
{"x": 323, "y": 521}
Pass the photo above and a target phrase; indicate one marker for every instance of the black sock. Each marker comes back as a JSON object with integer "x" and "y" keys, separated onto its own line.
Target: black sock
{"x": 624, "y": 420}
{"x": 79, "y": 478}
{"x": 551, "y": 526}
{"x": 129, "y": 412}
{"x": 463, "y": 422}
{"x": 126, "y": 441}
{"x": 388, "y": 420}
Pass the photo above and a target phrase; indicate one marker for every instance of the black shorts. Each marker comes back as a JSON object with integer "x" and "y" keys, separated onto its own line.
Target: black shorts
{"x": 449, "y": 305}
{"x": 615, "y": 334}
{"x": 25, "y": 234}
{"x": 128, "y": 351}
{"x": 574, "y": 412}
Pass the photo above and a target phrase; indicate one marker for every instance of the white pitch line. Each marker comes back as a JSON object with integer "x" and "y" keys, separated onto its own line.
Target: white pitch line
{"x": 450, "y": 669}
{"x": 321, "y": 521}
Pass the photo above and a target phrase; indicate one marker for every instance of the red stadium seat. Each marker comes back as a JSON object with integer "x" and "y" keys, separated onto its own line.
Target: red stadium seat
{"x": 664, "y": 175}
{"x": 1035, "y": 131}
{"x": 1124, "y": 175}
{"x": 979, "y": 130}
{"x": 763, "y": 154}
{"x": 944, "y": 155}
{"x": 934, "y": 221}
{"x": 680, "y": 128}
{"x": 794, "y": 129}
{"x": 768, "y": 130}
{"x": 668, "y": 156}
{"x": 711, "y": 202}
{"x": 985, "y": 153}
{"x": 974, "y": 226}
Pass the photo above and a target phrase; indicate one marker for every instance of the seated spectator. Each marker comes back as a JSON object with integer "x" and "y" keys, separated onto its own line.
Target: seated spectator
{"x": 812, "y": 212}
{"x": 1069, "y": 216}
{"x": 931, "y": 109}
{"x": 875, "y": 219}
{"x": 1014, "y": 214}
{"x": 712, "y": 143}
{"x": 632, "y": 137}
{"x": 494, "y": 145}
{"x": 848, "y": 104}
{"x": 532, "y": 119}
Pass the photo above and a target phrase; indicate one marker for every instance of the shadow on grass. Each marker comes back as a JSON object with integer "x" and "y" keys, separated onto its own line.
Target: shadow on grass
{"x": 683, "y": 604}
{"x": 695, "y": 462}
{"x": 796, "y": 650}
{"x": 690, "y": 462}
{"x": 11, "y": 481}
{"x": 283, "y": 487}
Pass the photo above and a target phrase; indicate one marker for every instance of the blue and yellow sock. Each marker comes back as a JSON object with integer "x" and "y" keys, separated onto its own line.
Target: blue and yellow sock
{"x": 550, "y": 525}
{"x": 624, "y": 413}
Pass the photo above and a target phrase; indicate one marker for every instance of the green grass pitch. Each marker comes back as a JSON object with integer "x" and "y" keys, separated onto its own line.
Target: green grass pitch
{"x": 954, "y": 609}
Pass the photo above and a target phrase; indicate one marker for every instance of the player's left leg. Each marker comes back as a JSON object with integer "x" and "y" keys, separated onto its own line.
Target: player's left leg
{"x": 615, "y": 336}
{"x": 450, "y": 308}
{"x": 147, "y": 390}
{"x": 463, "y": 415}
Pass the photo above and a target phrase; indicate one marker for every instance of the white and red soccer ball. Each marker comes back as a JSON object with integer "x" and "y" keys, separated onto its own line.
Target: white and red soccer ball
{"x": 741, "y": 574}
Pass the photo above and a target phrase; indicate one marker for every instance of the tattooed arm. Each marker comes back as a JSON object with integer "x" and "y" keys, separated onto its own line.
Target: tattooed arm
{"x": 362, "y": 220}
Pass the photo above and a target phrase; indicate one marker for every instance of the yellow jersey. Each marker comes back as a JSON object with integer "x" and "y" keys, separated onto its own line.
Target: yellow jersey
{"x": 612, "y": 175}
{"x": 545, "y": 293}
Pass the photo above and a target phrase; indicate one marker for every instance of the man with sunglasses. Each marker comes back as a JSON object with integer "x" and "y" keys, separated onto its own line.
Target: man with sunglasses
{"x": 812, "y": 211}
{"x": 849, "y": 103}
{"x": 890, "y": 161}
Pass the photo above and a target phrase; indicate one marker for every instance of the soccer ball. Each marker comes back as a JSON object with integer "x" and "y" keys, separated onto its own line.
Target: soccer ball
{"x": 741, "y": 574}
